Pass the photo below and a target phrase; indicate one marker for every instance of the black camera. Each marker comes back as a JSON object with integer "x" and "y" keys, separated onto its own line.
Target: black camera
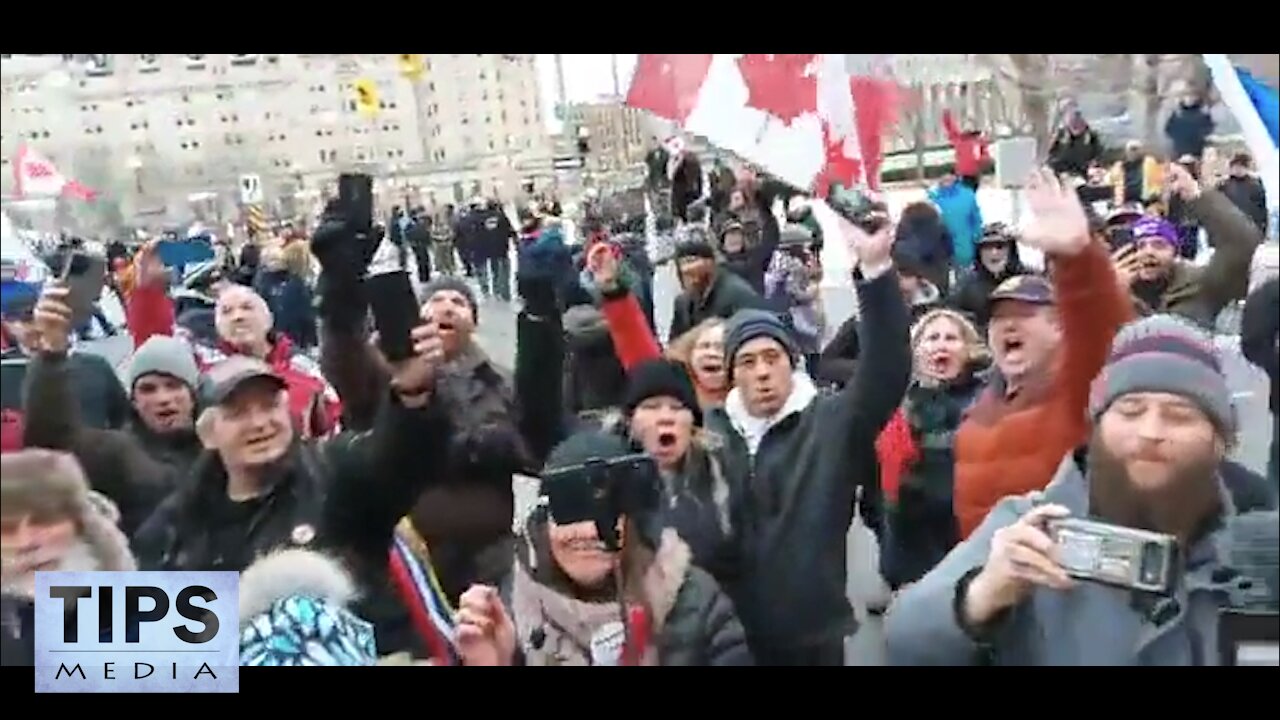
{"x": 857, "y": 208}
{"x": 601, "y": 491}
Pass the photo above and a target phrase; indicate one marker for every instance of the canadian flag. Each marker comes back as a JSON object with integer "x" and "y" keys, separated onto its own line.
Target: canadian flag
{"x": 801, "y": 117}
{"x": 35, "y": 176}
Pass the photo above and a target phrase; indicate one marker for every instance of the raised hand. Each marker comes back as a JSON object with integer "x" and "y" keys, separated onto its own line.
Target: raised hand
{"x": 602, "y": 262}
{"x": 1058, "y": 224}
{"x": 52, "y": 318}
{"x": 1022, "y": 556}
{"x": 1126, "y": 263}
{"x": 872, "y": 250}
{"x": 485, "y": 634}
{"x": 1181, "y": 183}
{"x": 416, "y": 375}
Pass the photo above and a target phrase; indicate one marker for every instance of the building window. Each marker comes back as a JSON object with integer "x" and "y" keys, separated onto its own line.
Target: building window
{"x": 190, "y": 145}
{"x": 488, "y": 119}
{"x": 195, "y": 61}
{"x": 490, "y": 146}
{"x": 139, "y": 125}
{"x": 465, "y": 120}
{"x": 431, "y": 86}
{"x": 503, "y": 116}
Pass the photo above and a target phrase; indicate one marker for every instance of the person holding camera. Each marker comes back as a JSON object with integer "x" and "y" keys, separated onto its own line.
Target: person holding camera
{"x": 1014, "y": 594}
{"x": 631, "y": 596}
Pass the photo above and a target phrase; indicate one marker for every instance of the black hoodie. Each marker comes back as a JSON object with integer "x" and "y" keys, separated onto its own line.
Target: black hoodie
{"x": 972, "y": 294}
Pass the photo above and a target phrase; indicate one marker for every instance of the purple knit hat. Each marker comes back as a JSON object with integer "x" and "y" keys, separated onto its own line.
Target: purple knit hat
{"x": 1149, "y": 227}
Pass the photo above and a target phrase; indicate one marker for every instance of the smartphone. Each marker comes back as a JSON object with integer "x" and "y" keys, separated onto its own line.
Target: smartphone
{"x": 84, "y": 276}
{"x": 395, "y": 312}
{"x": 355, "y": 197}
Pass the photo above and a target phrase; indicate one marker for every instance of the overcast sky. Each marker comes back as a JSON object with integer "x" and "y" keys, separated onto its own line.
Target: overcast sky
{"x": 586, "y": 78}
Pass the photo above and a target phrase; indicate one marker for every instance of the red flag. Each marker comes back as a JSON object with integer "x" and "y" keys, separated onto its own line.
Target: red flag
{"x": 667, "y": 85}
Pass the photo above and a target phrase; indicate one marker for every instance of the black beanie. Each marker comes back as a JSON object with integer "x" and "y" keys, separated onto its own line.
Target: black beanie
{"x": 695, "y": 244}
{"x": 747, "y": 325}
{"x": 661, "y": 378}
{"x": 449, "y": 282}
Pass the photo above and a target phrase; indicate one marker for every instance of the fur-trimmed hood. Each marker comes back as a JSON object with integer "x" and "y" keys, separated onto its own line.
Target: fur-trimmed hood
{"x": 290, "y": 572}
{"x": 554, "y": 628}
{"x": 294, "y": 612}
{"x": 49, "y": 483}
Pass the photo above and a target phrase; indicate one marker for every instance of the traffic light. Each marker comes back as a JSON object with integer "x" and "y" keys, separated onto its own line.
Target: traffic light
{"x": 366, "y": 96}
{"x": 411, "y": 66}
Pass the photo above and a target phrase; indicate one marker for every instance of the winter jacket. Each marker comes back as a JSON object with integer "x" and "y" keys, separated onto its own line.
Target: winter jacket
{"x": 1248, "y": 194}
{"x": 102, "y": 401}
{"x": 804, "y": 470}
{"x": 1260, "y": 334}
{"x": 727, "y": 295}
{"x": 1009, "y": 446}
{"x": 971, "y": 152}
{"x": 1188, "y": 129}
{"x": 1072, "y": 153}
{"x": 923, "y": 240}
{"x": 342, "y": 494}
{"x": 134, "y": 476}
{"x": 972, "y": 294}
{"x": 313, "y": 403}
{"x": 917, "y": 475}
{"x": 958, "y": 205}
{"x": 291, "y": 308}
{"x": 491, "y": 232}
{"x": 693, "y": 621}
{"x": 686, "y": 183}
{"x": 1197, "y": 292}
{"x": 1092, "y": 624}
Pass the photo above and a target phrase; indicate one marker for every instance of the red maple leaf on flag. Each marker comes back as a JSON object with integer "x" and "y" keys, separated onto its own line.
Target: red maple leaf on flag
{"x": 837, "y": 168}
{"x": 778, "y": 85}
{"x": 668, "y": 85}
{"x": 38, "y": 170}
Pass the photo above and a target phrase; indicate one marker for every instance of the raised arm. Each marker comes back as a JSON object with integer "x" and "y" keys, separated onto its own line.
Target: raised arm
{"x": 539, "y": 374}
{"x": 633, "y": 341}
{"x": 1233, "y": 236}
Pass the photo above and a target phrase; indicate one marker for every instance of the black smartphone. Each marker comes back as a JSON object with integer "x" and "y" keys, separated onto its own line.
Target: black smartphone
{"x": 84, "y": 276}
{"x": 395, "y": 312}
{"x": 355, "y": 196}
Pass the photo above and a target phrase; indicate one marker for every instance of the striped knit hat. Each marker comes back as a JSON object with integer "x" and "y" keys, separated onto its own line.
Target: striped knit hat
{"x": 1164, "y": 353}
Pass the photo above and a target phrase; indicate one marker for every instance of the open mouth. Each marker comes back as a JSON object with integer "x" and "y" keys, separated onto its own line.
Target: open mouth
{"x": 940, "y": 363}
{"x": 166, "y": 416}
{"x": 666, "y": 439}
{"x": 259, "y": 443}
{"x": 446, "y": 326}
{"x": 1011, "y": 345}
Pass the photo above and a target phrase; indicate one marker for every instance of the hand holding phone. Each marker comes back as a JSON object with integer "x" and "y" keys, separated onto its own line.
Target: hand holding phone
{"x": 83, "y": 276}
{"x": 53, "y": 319}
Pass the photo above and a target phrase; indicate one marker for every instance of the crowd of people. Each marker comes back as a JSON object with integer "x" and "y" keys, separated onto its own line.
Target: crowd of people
{"x": 695, "y": 490}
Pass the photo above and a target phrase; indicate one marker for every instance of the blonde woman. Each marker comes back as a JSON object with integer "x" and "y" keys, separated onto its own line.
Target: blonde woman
{"x": 915, "y": 449}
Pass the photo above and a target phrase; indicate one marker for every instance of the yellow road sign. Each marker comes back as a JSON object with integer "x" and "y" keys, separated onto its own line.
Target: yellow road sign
{"x": 366, "y": 96}
{"x": 256, "y": 220}
{"x": 411, "y": 66}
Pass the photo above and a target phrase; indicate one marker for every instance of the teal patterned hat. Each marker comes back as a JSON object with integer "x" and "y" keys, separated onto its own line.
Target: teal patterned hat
{"x": 301, "y": 630}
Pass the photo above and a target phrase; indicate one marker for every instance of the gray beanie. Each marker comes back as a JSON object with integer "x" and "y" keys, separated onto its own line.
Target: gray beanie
{"x": 747, "y": 325}
{"x": 167, "y": 356}
{"x": 1164, "y": 353}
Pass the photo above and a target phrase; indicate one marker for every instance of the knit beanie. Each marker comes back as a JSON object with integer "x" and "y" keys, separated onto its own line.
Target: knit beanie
{"x": 449, "y": 282}
{"x": 747, "y": 325}
{"x": 165, "y": 355}
{"x": 662, "y": 378}
{"x": 1164, "y": 353}
{"x": 695, "y": 244}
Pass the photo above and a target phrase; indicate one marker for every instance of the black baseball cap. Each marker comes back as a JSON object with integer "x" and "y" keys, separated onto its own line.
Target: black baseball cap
{"x": 229, "y": 375}
{"x": 1025, "y": 288}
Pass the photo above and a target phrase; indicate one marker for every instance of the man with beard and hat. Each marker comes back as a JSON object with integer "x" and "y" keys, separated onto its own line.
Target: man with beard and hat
{"x": 1163, "y": 422}
{"x": 709, "y": 289}
{"x": 1164, "y": 282}
{"x": 51, "y": 522}
{"x": 997, "y": 260}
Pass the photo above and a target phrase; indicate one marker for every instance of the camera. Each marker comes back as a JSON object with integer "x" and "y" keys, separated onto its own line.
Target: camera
{"x": 601, "y": 491}
{"x": 1115, "y": 555}
{"x": 857, "y": 208}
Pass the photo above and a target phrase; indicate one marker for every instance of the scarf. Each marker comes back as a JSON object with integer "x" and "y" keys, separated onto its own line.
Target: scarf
{"x": 415, "y": 581}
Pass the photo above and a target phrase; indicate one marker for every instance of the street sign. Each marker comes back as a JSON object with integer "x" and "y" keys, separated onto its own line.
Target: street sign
{"x": 411, "y": 66}
{"x": 250, "y": 189}
{"x": 366, "y": 96}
